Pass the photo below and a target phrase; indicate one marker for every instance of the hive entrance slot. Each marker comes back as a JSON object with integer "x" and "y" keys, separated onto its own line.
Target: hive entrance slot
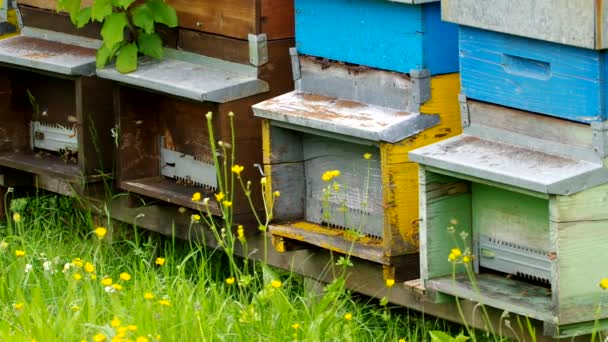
{"x": 63, "y": 141}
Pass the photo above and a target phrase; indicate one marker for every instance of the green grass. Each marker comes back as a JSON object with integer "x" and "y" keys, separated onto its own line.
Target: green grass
{"x": 47, "y": 303}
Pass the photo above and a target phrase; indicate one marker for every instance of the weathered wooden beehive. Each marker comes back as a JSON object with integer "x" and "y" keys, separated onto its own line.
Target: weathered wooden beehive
{"x": 55, "y": 115}
{"x": 528, "y": 188}
{"x": 355, "y": 98}
{"x": 230, "y": 55}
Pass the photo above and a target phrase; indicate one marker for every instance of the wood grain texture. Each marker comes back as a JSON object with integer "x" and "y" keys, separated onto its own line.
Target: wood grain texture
{"x": 49, "y": 4}
{"x": 380, "y": 34}
{"x": 276, "y": 18}
{"x": 538, "y": 76}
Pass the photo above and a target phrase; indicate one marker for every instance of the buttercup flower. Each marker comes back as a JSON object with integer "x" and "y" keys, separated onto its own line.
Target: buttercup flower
{"x": 160, "y": 261}
{"x": 101, "y": 232}
{"x": 456, "y": 252}
{"x": 329, "y": 175}
{"x": 106, "y": 281}
{"x": 466, "y": 259}
{"x": 132, "y": 327}
{"x": 16, "y": 217}
{"x": 88, "y": 267}
{"x": 99, "y": 338}
{"x": 227, "y": 204}
{"x": 230, "y": 280}
{"x": 276, "y": 284}
{"x": 148, "y": 295}
{"x": 117, "y": 287}
{"x": 604, "y": 283}
{"x": 348, "y": 316}
{"x": 195, "y": 218}
{"x": 238, "y": 169}
{"x": 77, "y": 262}
{"x": 263, "y": 180}
{"x": 18, "y": 306}
{"x": 390, "y": 283}
{"x": 141, "y": 339}
{"x": 19, "y": 253}
{"x": 75, "y": 308}
{"x": 77, "y": 276}
{"x": 277, "y": 193}
{"x": 125, "y": 276}
{"x": 240, "y": 232}
{"x": 367, "y": 156}
{"x": 164, "y": 302}
{"x": 196, "y": 196}
{"x": 219, "y": 196}
{"x": 115, "y": 322}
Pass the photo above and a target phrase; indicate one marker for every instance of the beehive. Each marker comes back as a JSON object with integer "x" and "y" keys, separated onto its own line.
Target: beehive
{"x": 362, "y": 80}
{"x": 56, "y": 115}
{"x": 529, "y": 191}
{"x": 164, "y": 151}
{"x": 9, "y": 21}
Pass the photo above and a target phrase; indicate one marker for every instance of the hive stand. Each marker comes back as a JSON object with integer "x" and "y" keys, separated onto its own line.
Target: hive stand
{"x": 164, "y": 151}
{"x": 530, "y": 192}
{"x": 340, "y": 112}
{"x": 56, "y": 116}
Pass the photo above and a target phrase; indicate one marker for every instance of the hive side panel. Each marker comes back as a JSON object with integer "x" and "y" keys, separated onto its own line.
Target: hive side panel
{"x": 276, "y": 18}
{"x": 440, "y": 41}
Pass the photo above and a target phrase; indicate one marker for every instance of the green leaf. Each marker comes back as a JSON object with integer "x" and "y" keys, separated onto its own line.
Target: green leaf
{"x": 105, "y": 54}
{"x": 72, "y": 6}
{"x": 163, "y": 13}
{"x": 101, "y": 9}
{"x": 440, "y": 336}
{"x": 150, "y": 45}
{"x": 83, "y": 17}
{"x": 113, "y": 28}
{"x": 461, "y": 338}
{"x": 144, "y": 19}
{"x": 124, "y": 4}
{"x": 127, "y": 58}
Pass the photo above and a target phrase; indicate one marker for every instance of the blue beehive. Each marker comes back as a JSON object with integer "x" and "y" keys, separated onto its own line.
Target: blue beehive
{"x": 539, "y": 76}
{"x": 377, "y": 33}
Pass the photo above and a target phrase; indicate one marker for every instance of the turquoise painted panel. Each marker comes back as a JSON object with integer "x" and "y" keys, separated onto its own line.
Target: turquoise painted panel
{"x": 377, "y": 33}
{"x": 534, "y": 75}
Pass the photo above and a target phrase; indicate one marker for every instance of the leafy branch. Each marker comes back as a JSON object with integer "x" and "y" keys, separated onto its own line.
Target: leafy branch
{"x": 128, "y": 28}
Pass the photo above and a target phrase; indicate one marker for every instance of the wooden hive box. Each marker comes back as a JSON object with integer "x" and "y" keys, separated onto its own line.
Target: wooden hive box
{"x": 338, "y": 114}
{"x": 549, "y": 78}
{"x": 9, "y": 21}
{"x": 530, "y": 192}
{"x": 581, "y": 23}
{"x": 391, "y": 35}
{"x": 55, "y": 115}
{"x": 164, "y": 151}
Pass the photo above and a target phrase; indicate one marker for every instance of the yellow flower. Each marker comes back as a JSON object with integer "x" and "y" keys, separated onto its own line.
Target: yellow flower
{"x": 219, "y": 196}
{"x": 115, "y": 322}
{"x": 106, "y": 281}
{"x": 18, "y": 306}
{"x": 195, "y": 218}
{"x": 263, "y": 180}
{"x": 75, "y": 308}
{"x": 227, "y": 204}
{"x": 101, "y": 232}
{"x": 77, "y": 262}
{"x": 148, "y": 295}
{"x": 348, "y": 316}
{"x": 77, "y": 276}
{"x": 16, "y": 217}
{"x": 466, "y": 259}
{"x": 117, "y": 287}
{"x": 240, "y": 232}
{"x": 456, "y": 252}
{"x": 122, "y": 331}
{"x": 329, "y": 175}
{"x": 196, "y": 196}
{"x": 132, "y": 327}
{"x": 276, "y": 284}
{"x": 125, "y": 276}
{"x": 19, "y": 253}
{"x": 390, "y": 283}
{"x": 604, "y": 283}
{"x": 452, "y": 257}
{"x": 88, "y": 267}
{"x": 295, "y": 326}
{"x": 164, "y": 302}
{"x": 160, "y": 261}
{"x": 238, "y": 169}
{"x": 141, "y": 339}
{"x": 336, "y": 186}
{"x": 402, "y": 340}
{"x": 99, "y": 338}
{"x": 230, "y": 280}
{"x": 367, "y": 156}
{"x": 277, "y": 193}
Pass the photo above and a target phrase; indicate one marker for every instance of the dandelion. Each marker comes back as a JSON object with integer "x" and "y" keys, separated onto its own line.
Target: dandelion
{"x": 160, "y": 261}
{"x": 227, "y": 204}
{"x": 16, "y": 217}
{"x": 604, "y": 283}
{"x": 348, "y": 316}
{"x": 196, "y": 196}
{"x": 164, "y": 302}
{"x": 237, "y": 169}
{"x": 148, "y": 295}
{"x": 28, "y": 268}
{"x": 115, "y": 322}
{"x": 19, "y": 253}
{"x": 75, "y": 308}
{"x": 390, "y": 283}
{"x": 230, "y": 280}
{"x": 18, "y": 306}
{"x": 240, "y": 232}
{"x": 141, "y": 339}
{"x": 220, "y": 196}
{"x": 295, "y": 326}
{"x": 195, "y": 218}
{"x": 117, "y": 287}
{"x": 132, "y": 327}
{"x": 106, "y": 281}
{"x": 89, "y": 268}
{"x": 101, "y": 232}
{"x": 99, "y": 338}
{"x": 77, "y": 276}
{"x": 367, "y": 156}
{"x": 77, "y": 262}
{"x": 277, "y": 193}
{"x": 125, "y": 276}
{"x": 276, "y": 284}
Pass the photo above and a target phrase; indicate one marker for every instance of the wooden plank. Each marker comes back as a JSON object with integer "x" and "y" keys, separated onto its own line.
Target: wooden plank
{"x": 276, "y": 18}
{"x": 402, "y": 38}
{"x": 49, "y": 4}
{"x": 586, "y": 205}
{"x": 533, "y": 75}
{"x": 45, "y": 17}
